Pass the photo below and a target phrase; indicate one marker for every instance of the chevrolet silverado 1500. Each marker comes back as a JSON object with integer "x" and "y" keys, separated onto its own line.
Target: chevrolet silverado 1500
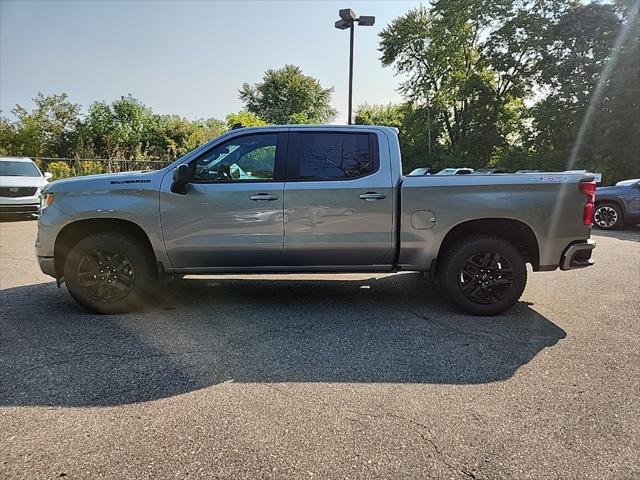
{"x": 310, "y": 199}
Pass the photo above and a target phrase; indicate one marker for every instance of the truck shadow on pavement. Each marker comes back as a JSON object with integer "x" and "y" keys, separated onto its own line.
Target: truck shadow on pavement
{"x": 204, "y": 332}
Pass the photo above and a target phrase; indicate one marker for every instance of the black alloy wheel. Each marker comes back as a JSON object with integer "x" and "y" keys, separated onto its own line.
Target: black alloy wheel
{"x": 485, "y": 278}
{"x": 106, "y": 276}
{"x": 111, "y": 272}
{"x": 482, "y": 274}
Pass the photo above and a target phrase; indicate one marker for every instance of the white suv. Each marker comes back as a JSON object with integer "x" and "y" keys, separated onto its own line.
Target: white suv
{"x": 20, "y": 184}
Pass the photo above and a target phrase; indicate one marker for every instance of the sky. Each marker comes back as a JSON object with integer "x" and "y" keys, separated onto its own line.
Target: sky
{"x": 186, "y": 57}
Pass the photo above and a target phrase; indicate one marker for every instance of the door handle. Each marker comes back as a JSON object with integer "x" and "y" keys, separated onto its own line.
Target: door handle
{"x": 371, "y": 196}
{"x": 263, "y": 197}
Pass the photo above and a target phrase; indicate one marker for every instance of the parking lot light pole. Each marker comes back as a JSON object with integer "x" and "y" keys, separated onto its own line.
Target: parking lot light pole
{"x": 348, "y": 19}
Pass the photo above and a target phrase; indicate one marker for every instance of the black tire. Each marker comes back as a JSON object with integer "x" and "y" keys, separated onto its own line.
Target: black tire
{"x": 483, "y": 275}
{"x": 608, "y": 216}
{"x": 110, "y": 262}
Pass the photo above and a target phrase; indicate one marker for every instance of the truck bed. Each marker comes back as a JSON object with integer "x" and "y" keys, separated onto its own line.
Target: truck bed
{"x": 549, "y": 205}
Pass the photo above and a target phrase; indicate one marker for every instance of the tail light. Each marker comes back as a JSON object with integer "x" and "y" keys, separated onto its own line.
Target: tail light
{"x": 588, "y": 188}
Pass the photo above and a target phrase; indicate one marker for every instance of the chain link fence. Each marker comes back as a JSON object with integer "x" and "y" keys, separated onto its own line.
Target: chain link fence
{"x": 75, "y": 167}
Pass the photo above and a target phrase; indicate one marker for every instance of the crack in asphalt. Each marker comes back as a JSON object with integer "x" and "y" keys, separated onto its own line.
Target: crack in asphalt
{"x": 301, "y": 329}
{"x": 384, "y": 416}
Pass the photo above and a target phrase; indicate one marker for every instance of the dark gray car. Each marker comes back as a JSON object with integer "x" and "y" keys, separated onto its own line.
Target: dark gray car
{"x": 617, "y": 205}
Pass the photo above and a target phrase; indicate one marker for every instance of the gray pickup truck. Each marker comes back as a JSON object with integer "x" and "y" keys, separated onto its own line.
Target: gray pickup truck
{"x": 310, "y": 199}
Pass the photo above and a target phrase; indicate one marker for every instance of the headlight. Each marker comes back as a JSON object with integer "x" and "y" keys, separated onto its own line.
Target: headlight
{"x": 46, "y": 199}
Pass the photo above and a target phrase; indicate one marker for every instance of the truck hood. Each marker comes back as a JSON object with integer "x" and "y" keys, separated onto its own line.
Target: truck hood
{"x": 15, "y": 181}
{"x": 105, "y": 180}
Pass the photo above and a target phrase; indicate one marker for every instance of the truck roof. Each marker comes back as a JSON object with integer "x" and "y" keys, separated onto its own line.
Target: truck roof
{"x": 322, "y": 126}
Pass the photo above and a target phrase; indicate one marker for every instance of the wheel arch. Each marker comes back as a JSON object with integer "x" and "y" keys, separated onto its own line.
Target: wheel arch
{"x": 516, "y": 232}
{"x": 616, "y": 201}
{"x": 72, "y": 233}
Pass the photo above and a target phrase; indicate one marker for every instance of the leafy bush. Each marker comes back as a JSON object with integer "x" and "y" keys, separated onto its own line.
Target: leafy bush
{"x": 60, "y": 170}
{"x": 91, "y": 167}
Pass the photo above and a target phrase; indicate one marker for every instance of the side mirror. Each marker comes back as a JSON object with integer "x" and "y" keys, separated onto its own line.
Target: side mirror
{"x": 180, "y": 179}
{"x": 48, "y": 175}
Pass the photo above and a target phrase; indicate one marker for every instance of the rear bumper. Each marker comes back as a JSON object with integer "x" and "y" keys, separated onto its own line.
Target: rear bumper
{"x": 577, "y": 255}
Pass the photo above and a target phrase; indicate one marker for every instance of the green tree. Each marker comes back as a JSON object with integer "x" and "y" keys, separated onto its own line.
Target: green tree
{"x": 286, "y": 96}
{"x": 7, "y": 133}
{"x": 168, "y": 136}
{"x": 49, "y": 130}
{"x": 246, "y": 119}
{"x": 391, "y": 115}
{"x": 120, "y": 129}
{"x": 441, "y": 53}
{"x": 415, "y": 128}
{"x": 614, "y": 139}
{"x": 523, "y": 84}
{"x": 171, "y": 136}
{"x": 593, "y": 88}
{"x": 128, "y": 129}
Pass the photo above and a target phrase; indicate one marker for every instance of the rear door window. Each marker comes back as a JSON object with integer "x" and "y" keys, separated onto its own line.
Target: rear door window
{"x": 332, "y": 156}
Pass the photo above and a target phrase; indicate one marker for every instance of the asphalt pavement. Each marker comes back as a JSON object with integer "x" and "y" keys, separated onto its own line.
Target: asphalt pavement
{"x": 322, "y": 376}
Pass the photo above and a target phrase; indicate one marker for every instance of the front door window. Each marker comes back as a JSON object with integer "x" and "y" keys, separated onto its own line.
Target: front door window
{"x": 251, "y": 158}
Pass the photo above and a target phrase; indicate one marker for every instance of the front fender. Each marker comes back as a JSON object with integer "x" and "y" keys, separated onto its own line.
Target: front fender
{"x": 140, "y": 206}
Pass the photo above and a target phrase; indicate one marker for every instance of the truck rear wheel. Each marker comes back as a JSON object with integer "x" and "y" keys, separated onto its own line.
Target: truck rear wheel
{"x": 110, "y": 273}
{"x": 483, "y": 275}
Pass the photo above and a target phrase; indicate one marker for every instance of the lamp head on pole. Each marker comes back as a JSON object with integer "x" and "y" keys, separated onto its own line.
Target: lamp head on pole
{"x": 348, "y": 15}
{"x": 366, "y": 21}
{"x": 348, "y": 18}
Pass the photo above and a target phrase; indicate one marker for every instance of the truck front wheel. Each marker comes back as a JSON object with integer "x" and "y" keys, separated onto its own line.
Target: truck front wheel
{"x": 483, "y": 275}
{"x": 109, "y": 273}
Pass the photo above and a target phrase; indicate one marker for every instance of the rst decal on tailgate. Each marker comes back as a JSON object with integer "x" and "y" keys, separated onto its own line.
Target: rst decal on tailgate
{"x": 551, "y": 178}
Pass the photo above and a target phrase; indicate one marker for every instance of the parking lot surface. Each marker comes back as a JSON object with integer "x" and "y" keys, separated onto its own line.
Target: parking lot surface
{"x": 322, "y": 376}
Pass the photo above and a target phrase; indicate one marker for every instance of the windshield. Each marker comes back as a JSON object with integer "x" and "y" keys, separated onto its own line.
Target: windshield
{"x": 18, "y": 169}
